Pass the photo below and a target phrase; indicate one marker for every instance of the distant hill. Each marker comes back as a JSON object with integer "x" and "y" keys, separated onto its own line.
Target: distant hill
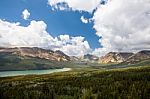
{"x": 139, "y": 56}
{"x": 90, "y": 57}
{"x": 115, "y": 57}
{"x": 85, "y": 58}
{"x": 124, "y": 57}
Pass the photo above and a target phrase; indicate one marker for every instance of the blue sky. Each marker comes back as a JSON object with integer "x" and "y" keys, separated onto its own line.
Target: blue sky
{"x": 118, "y": 25}
{"x": 58, "y": 22}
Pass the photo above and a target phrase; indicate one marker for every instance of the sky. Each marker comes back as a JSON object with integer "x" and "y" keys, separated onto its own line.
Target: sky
{"x": 76, "y": 27}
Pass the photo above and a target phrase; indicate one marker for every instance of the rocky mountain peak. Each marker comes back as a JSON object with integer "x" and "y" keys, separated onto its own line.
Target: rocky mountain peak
{"x": 115, "y": 57}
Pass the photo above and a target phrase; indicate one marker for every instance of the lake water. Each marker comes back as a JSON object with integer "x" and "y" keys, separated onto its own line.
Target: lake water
{"x": 31, "y": 72}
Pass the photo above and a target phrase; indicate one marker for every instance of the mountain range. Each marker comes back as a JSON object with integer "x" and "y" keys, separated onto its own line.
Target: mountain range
{"x": 125, "y": 57}
{"x": 37, "y": 52}
{"x": 25, "y": 58}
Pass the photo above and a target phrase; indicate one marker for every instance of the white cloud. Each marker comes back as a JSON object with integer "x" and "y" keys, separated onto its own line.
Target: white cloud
{"x": 84, "y": 20}
{"x": 25, "y": 14}
{"x": 81, "y": 5}
{"x": 35, "y": 35}
{"x": 74, "y": 46}
{"x": 124, "y": 25}
{"x": 65, "y": 38}
{"x": 12, "y": 34}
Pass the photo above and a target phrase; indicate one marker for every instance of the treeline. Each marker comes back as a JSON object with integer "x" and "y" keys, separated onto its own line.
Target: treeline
{"x": 122, "y": 84}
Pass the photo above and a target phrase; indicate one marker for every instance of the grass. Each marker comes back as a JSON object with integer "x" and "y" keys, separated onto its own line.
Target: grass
{"x": 80, "y": 83}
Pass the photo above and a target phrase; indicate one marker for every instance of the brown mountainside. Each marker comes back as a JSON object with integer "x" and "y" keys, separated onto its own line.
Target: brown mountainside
{"x": 142, "y": 55}
{"x": 115, "y": 57}
{"x": 37, "y": 52}
{"x": 124, "y": 57}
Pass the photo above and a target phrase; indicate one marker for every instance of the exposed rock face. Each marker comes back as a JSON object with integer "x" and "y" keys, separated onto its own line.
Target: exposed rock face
{"x": 90, "y": 57}
{"x": 115, "y": 57}
{"x": 129, "y": 58}
{"x": 37, "y": 52}
{"x": 142, "y": 55}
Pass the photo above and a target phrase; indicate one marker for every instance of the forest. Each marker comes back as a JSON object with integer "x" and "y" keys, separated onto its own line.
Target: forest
{"x": 127, "y": 83}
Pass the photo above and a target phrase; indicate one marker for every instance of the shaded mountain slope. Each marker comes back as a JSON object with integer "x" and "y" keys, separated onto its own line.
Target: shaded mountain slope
{"x": 9, "y": 61}
{"x": 26, "y": 58}
{"x": 90, "y": 57}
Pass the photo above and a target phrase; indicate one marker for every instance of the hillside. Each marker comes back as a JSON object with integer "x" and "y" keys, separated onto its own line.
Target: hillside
{"x": 37, "y": 52}
{"x": 139, "y": 56}
{"x": 26, "y": 58}
{"x": 30, "y": 59}
{"x": 115, "y": 57}
{"x": 9, "y": 61}
{"x": 130, "y": 83}
{"x": 125, "y": 57}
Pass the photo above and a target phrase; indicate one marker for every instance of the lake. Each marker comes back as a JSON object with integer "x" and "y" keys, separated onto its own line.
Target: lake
{"x": 31, "y": 72}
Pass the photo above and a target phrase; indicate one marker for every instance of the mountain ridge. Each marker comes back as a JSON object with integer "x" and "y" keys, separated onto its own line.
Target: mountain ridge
{"x": 115, "y": 57}
{"x": 59, "y": 56}
{"x": 125, "y": 57}
{"x": 37, "y": 52}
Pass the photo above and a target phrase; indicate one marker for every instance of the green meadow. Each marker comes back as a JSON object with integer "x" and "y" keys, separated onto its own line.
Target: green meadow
{"x": 90, "y": 81}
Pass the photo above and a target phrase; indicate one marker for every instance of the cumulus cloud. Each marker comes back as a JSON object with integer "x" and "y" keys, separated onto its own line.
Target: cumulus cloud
{"x": 124, "y": 25}
{"x": 25, "y": 14}
{"x": 74, "y": 46}
{"x": 12, "y": 34}
{"x": 84, "y": 20}
{"x": 80, "y": 5}
{"x": 35, "y": 35}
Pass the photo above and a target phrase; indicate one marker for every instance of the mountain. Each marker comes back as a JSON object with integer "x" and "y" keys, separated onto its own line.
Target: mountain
{"x": 124, "y": 57}
{"x": 139, "y": 56}
{"x": 9, "y": 62}
{"x": 90, "y": 57}
{"x": 36, "y": 52}
{"x": 84, "y": 58}
{"x": 26, "y": 58}
{"x": 115, "y": 57}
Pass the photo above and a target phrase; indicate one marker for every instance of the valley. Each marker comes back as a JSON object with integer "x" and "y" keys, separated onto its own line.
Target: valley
{"x": 86, "y": 83}
{"x": 113, "y": 76}
{"x": 34, "y": 58}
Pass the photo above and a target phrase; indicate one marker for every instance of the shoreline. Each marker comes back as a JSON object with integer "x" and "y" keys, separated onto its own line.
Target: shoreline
{"x": 31, "y": 72}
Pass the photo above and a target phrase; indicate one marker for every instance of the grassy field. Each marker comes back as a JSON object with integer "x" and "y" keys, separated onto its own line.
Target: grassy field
{"x": 80, "y": 83}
